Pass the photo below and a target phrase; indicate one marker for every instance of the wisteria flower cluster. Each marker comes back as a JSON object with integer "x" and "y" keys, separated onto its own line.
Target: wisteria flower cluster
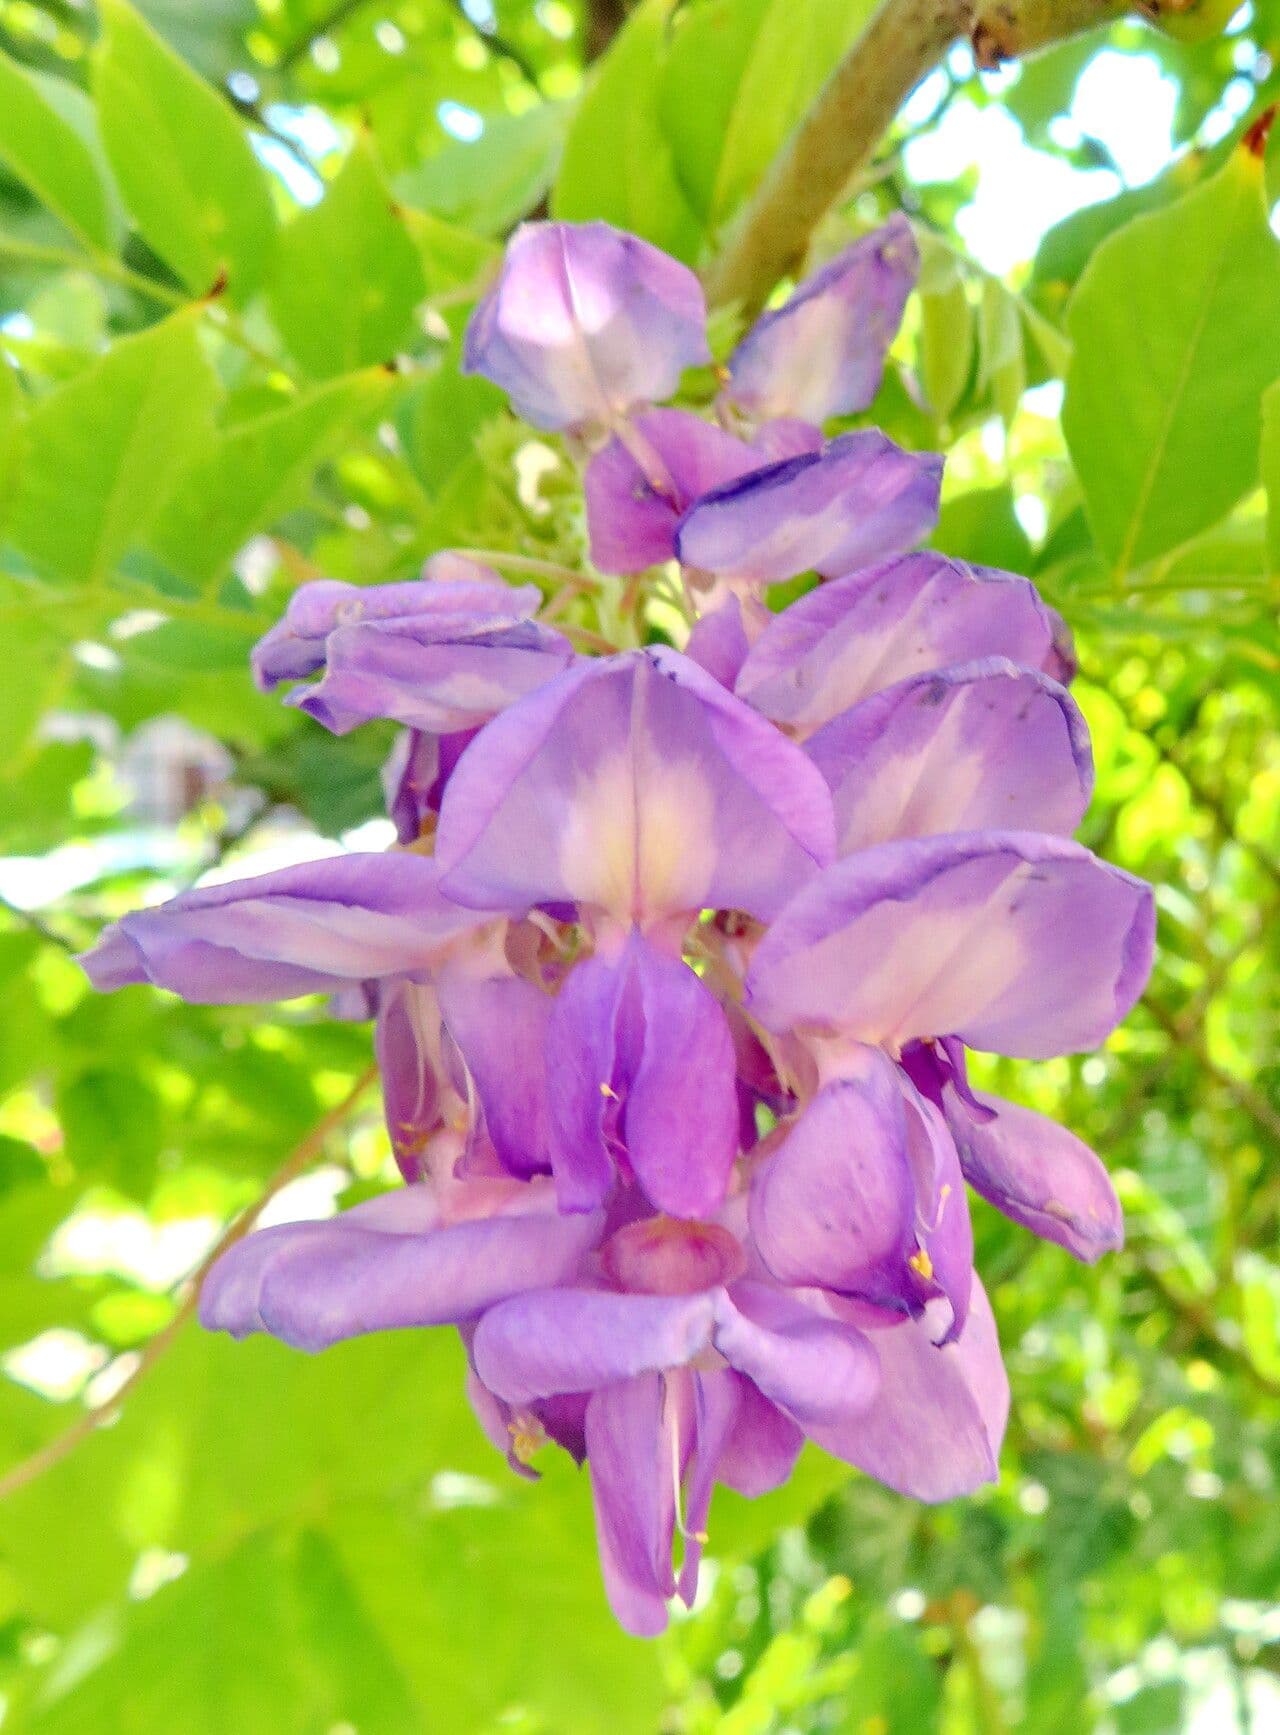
{"x": 677, "y": 960}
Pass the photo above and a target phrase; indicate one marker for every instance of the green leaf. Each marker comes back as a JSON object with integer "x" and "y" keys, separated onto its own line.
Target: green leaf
{"x": 490, "y": 184}
{"x": 1175, "y": 338}
{"x": 256, "y": 471}
{"x": 1002, "y": 368}
{"x": 739, "y": 75}
{"x": 1270, "y": 460}
{"x": 183, "y": 161}
{"x": 617, "y": 159}
{"x": 946, "y": 329}
{"x": 348, "y": 277}
{"x": 111, "y": 1124}
{"x": 47, "y": 138}
{"x": 82, "y": 501}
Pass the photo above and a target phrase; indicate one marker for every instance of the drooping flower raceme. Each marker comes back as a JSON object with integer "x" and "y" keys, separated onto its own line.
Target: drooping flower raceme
{"x": 677, "y": 960}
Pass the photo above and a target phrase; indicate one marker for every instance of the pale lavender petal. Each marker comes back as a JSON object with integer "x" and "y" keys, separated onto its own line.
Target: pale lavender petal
{"x": 575, "y": 1340}
{"x": 943, "y": 1267}
{"x": 299, "y": 930}
{"x": 584, "y": 1104}
{"x": 713, "y": 1408}
{"x": 1015, "y": 942}
{"x": 633, "y": 1491}
{"x": 409, "y": 777}
{"x": 818, "y": 1369}
{"x": 762, "y": 1448}
{"x": 822, "y": 353}
{"x": 986, "y": 744}
{"x": 785, "y": 438}
{"x": 637, "y": 786}
{"x": 680, "y": 1110}
{"x": 847, "y": 640}
{"x": 641, "y": 1068}
{"x": 407, "y": 1044}
{"x": 295, "y": 646}
{"x": 933, "y": 1431}
{"x": 632, "y": 512}
{"x": 719, "y": 642}
{"x": 859, "y": 499}
{"x": 500, "y": 1027}
{"x": 584, "y": 323}
{"x": 1041, "y": 1176}
{"x": 835, "y": 1205}
{"x": 439, "y": 674}
{"x": 313, "y": 1284}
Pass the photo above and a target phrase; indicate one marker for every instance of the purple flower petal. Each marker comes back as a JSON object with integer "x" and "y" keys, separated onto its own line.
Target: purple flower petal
{"x": 859, "y": 499}
{"x": 719, "y": 642}
{"x": 576, "y": 1340}
{"x": 641, "y": 1067}
{"x": 1015, "y": 942}
{"x": 441, "y": 674}
{"x": 821, "y": 353}
{"x": 500, "y": 1027}
{"x": 835, "y": 1205}
{"x": 637, "y": 786}
{"x": 584, "y": 323}
{"x": 633, "y": 1490}
{"x": 631, "y": 514}
{"x": 299, "y": 930}
{"x": 313, "y": 1284}
{"x": 1041, "y": 1176}
{"x": 407, "y": 1043}
{"x": 761, "y": 1450}
{"x": 987, "y": 744}
{"x": 819, "y": 1370}
{"x": 847, "y": 640}
{"x": 452, "y": 586}
{"x": 933, "y": 1432}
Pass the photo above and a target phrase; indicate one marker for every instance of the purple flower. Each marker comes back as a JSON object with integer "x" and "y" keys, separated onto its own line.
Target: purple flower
{"x": 988, "y": 744}
{"x": 585, "y": 323}
{"x": 451, "y": 588}
{"x": 821, "y": 354}
{"x": 857, "y": 500}
{"x": 633, "y": 786}
{"x": 795, "y": 870}
{"x": 300, "y": 930}
{"x": 438, "y": 655}
{"x": 642, "y": 1077}
{"x": 844, "y": 641}
{"x": 638, "y": 488}
{"x": 1015, "y": 942}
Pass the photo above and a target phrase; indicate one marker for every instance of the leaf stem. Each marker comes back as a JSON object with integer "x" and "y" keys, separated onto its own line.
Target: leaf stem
{"x": 304, "y": 1152}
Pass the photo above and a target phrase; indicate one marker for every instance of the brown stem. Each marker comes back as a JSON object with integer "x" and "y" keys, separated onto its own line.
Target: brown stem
{"x": 903, "y": 41}
{"x": 303, "y": 1153}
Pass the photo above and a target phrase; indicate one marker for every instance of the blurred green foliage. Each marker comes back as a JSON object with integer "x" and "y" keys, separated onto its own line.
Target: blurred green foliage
{"x": 238, "y": 244}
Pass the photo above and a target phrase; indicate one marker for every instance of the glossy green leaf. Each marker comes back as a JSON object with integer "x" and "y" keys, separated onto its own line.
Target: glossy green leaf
{"x": 738, "y": 76}
{"x": 1175, "y": 340}
{"x": 80, "y": 502}
{"x": 618, "y": 163}
{"x": 48, "y": 139}
{"x": 359, "y": 309}
{"x": 947, "y": 333}
{"x": 183, "y": 161}
{"x": 1270, "y": 459}
{"x": 488, "y": 185}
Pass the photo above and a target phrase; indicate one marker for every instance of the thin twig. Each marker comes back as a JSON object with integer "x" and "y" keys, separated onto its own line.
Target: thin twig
{"x": 38, "y": 925}
{"x": 333, "y": 19}
{"x": 303, "y": 1153}
{"x": 498, "y": 44}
